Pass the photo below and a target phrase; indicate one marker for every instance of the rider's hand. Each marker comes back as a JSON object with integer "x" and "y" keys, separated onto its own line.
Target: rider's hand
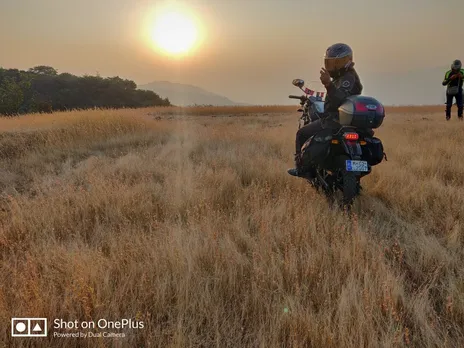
{"x": 325, "y": 77}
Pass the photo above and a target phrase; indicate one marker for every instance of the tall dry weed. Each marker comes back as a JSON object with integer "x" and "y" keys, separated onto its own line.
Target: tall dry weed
{"x": 192, "y": 225}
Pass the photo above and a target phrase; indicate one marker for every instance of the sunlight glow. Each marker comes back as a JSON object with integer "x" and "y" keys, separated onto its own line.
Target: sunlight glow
{"x": 175, "y": 32}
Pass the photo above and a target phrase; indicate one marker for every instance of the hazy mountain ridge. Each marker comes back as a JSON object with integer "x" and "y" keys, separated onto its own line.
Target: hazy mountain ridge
{"x": 184, "y": 94}
{"x": 413, "y": 87}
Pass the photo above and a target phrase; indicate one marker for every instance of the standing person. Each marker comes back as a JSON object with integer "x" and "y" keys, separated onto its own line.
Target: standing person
{"x": 454, "y": 80}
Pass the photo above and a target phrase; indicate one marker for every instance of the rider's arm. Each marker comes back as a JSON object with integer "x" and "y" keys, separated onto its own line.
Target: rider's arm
{"x": 338, "y": 95}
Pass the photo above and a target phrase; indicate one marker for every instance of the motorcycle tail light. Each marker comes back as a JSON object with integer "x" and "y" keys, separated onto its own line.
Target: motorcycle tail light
{"x": 351, "y": 136}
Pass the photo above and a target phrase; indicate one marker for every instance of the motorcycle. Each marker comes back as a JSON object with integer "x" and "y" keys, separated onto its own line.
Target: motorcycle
{"x": 335, "y": 159}
{"x": 311, "y": 107}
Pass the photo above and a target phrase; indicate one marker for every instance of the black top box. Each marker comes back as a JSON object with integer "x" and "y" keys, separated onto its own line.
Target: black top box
{"x": 361, "y": 112}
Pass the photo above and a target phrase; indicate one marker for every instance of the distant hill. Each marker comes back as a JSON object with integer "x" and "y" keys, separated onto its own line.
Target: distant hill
{"x": 184, "y": 95}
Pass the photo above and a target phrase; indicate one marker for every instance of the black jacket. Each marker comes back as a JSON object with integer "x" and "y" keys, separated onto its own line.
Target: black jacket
{"x": 339, "y": 89}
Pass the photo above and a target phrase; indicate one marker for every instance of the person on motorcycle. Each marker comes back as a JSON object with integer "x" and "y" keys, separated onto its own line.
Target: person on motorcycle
{"x": 341, "y": 81}
{"x": 454, "y": 80}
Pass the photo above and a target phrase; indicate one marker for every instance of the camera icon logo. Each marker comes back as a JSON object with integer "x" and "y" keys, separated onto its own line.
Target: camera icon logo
{"x": 29, "y": 327}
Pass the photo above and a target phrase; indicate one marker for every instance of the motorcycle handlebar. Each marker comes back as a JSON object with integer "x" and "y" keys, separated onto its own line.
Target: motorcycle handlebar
{"x": 294, "y": 97}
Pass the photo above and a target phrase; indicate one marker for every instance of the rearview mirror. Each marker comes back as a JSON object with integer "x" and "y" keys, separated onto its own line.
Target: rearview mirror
{"x": 298, "y": 82}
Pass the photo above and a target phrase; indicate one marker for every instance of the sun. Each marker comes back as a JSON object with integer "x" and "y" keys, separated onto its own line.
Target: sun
{"x": 174, "y": 33}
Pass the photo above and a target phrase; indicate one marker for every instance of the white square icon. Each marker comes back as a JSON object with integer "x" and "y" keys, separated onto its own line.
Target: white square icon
{"x": 29, "y": 327}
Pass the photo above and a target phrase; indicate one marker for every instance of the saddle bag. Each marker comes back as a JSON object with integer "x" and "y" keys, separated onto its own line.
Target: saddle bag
{"x": 317, "y": 148}
{"x": 373, "y": 152}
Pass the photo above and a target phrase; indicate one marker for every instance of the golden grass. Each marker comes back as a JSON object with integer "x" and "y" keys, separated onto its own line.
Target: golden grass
{"x": 272, "y": 109}
{"x": 192, "y": 225}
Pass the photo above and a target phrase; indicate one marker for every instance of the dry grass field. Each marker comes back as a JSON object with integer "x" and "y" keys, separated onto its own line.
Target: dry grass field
{"x": 186, "y": 219}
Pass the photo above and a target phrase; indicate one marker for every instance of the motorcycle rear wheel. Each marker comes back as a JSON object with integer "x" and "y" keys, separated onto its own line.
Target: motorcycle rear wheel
{"x": 348, "y": 185}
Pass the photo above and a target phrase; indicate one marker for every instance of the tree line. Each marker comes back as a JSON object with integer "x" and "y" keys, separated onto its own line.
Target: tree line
{"x": 42, "y": 89}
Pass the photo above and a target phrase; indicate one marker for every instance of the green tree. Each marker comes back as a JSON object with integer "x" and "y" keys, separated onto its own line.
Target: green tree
{"x": 43, "y": 70}
{"x": 42, "y": 89}
{"x": 11, "y": 96}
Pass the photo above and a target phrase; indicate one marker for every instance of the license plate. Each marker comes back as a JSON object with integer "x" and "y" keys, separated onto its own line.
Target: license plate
{"x": 356, "y": 166}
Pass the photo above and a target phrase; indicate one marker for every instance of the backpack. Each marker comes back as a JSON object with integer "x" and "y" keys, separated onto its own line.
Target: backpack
{"x": 453, "y": 90}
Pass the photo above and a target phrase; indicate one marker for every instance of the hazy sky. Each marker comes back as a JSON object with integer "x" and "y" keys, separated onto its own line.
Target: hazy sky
{"x": 251, "y": 49}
